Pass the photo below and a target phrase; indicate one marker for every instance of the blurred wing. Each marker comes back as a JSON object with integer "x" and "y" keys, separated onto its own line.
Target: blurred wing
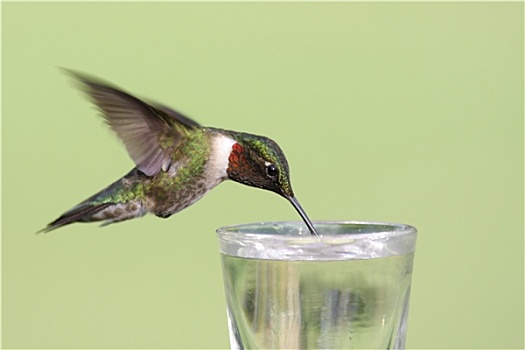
{"x": 149, "y": 133}
{"x": 177, "y": 116}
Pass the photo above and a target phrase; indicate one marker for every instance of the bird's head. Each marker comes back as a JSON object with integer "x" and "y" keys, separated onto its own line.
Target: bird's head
{"x": 259, "y": 162}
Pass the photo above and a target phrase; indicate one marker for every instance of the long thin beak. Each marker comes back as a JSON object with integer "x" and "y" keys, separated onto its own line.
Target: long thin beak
{"x": 301, "y": 212}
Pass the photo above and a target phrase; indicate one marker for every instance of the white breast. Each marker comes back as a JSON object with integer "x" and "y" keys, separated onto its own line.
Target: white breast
{"x": 221, "y": 149}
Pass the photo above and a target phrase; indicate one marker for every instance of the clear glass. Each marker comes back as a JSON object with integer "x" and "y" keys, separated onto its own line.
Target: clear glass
{"x": 347, "y": 288}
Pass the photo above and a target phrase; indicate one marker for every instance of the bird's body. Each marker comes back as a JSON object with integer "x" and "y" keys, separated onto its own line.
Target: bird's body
{"x": 177, "y": 161}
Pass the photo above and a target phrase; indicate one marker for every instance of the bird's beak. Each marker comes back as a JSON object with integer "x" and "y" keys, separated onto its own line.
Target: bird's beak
{"x": 301, "y": 212}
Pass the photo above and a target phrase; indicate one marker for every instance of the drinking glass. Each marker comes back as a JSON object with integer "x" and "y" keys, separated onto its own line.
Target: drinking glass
{"x": 347, "y": 288}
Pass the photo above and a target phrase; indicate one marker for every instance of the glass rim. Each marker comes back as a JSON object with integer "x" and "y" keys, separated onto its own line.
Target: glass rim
{"x": 342, "y": 240}
{"x": 397, "y": 230}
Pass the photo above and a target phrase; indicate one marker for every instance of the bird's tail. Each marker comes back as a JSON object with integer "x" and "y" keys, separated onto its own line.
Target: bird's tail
{"x": 122, "y": 200}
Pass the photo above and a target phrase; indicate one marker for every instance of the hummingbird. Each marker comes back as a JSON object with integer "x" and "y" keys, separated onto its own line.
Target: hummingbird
{"x": 177, "y": 161}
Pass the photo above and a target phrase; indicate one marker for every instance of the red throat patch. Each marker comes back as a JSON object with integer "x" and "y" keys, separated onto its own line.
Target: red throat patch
{"x": 236, "y": 158}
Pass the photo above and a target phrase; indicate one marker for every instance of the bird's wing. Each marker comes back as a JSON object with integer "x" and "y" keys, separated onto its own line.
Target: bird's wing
{"x": 150, "y": 133}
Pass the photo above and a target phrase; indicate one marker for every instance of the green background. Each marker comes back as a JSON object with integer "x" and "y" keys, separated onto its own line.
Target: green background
{"x": 403, "y": 112}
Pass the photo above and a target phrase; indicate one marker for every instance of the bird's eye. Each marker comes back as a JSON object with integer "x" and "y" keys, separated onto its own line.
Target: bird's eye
{"x": 272, "y": 170}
